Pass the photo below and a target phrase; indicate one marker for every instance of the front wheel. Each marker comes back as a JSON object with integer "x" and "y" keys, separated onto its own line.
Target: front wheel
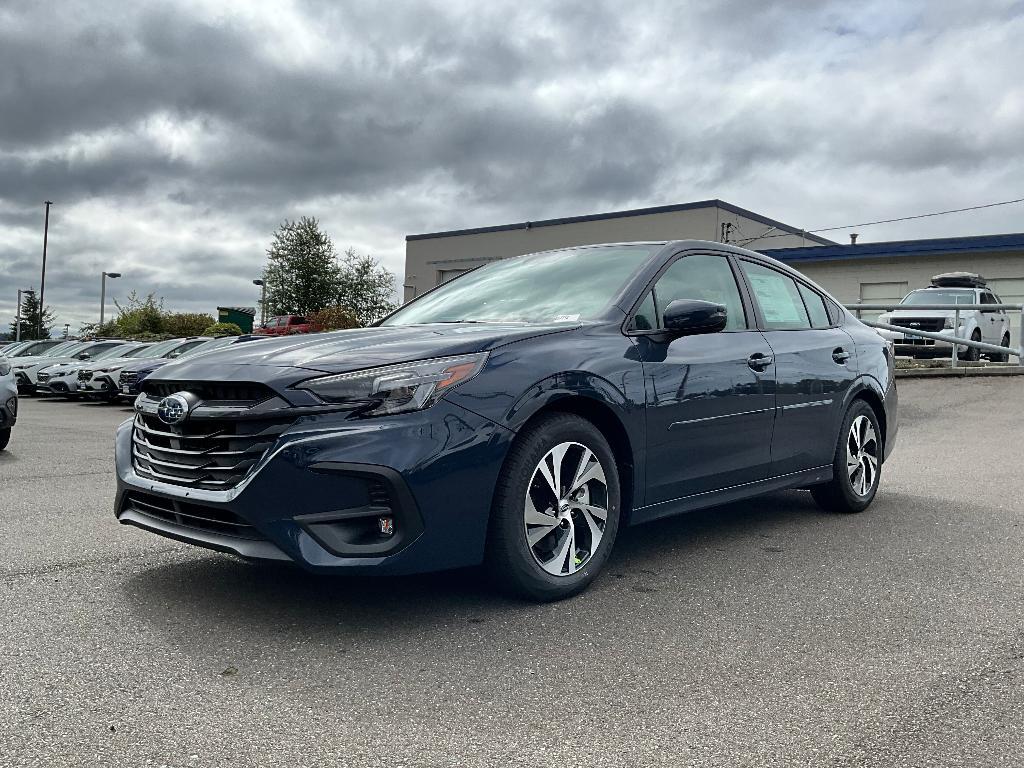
{"x": 857, "y": 464}
{"x": 972, "y": 354}
{"x": 556, "y": 510}
{"x": 5, "y": 438}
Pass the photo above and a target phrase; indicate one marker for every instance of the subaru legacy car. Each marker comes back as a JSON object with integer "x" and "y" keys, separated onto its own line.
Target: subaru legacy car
{"x": 517, "y": 416}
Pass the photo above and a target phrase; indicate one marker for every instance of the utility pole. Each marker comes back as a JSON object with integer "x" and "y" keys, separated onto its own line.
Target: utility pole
{"x": 42, "y": 279}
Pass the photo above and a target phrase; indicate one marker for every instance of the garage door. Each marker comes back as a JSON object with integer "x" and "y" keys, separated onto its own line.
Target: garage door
{"x": 1011, "y": 291}
{"x": 882, "y": 293}
{"x": 444, "y": 275}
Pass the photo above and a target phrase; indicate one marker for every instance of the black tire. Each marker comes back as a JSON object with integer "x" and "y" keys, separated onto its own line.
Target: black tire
{"x": 510, "y": 559}
{"x": 839, "y": 495}
{"x": 1001, "y": 357}
{"x": 972, "y": 354}
{"x": 5, "y": 438}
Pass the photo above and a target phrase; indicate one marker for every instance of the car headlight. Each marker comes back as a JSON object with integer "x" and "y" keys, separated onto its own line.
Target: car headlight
{"x": 5, "y": 368}
{"x": 397, "y": 388}
{"x": 948, "y": 323}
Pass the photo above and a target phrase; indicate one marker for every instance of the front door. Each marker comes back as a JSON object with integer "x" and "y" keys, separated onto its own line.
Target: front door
{"x": 710, "y": 398}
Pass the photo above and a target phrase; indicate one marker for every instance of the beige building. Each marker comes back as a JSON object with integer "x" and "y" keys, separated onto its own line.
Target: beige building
{"x": 431, "y": 259}
{"x": 866, "y": 272}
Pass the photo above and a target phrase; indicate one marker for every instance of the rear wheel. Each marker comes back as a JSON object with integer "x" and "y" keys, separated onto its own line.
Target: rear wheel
{"x": 5, "y": 438}
{"x": 857, "y": 464}
{"x": 556, "y": 510}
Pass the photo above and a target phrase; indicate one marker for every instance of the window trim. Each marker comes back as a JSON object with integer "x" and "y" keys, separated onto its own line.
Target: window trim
{"x": 748, "y": 308}
{"x": 762, "y": 325}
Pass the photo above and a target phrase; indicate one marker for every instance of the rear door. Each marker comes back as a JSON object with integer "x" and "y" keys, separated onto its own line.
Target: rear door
{"x": 991, "y": 320}
{"x": 815, "y": 365}
{"x": 710, "y": 398}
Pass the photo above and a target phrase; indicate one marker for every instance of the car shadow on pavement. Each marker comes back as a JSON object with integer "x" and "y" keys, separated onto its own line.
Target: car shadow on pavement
{"x": 219, "y": 592}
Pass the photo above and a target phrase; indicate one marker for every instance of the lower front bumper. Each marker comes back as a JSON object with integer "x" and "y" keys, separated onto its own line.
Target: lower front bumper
{"x": 323, "y": 493}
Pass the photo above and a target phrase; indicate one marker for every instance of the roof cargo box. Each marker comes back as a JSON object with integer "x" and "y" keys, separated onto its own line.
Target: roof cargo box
{"x": 959, "y": 280}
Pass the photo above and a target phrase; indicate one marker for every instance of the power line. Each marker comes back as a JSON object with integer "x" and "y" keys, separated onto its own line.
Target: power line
{"x": 921, "y": 215}
{"x": 890, "y": 221}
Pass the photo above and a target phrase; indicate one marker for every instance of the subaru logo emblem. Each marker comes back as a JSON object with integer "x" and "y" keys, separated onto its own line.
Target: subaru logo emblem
{"x": 173, "y": 409}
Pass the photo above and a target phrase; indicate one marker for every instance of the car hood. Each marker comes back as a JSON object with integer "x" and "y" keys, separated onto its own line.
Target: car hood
{"x": 350, "y": 350}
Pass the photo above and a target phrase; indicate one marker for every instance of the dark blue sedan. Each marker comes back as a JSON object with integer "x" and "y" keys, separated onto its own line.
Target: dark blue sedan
{"x": 517, "y": 417}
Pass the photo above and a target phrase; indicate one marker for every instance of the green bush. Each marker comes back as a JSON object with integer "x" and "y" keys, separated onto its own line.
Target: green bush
{"x": 333, "y": 319}
{"x": 187, "y": 323}
{"x": 222, "y": 329}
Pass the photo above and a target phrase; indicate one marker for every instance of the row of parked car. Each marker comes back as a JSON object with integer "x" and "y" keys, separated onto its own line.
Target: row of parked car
{"x": 103, "y": 369}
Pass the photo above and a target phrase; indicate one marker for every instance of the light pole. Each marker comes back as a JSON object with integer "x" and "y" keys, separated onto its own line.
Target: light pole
{"x": 42, "y": 278}
{"x": 67, "y": 329}
{"x": 17, "y": 315}
{"x": 103, "y": 292}
{"x": 263, "y": 301}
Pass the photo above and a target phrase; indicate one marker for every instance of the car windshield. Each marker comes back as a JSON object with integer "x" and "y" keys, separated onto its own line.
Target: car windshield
{"x": 550, "y": 287}
{"x": 161, "y": 349}
{"x": 119, "y": 351}
{"x": 931, "y": 296}
{"x": 206, "y": 346}
{"x": 67, "y": 350}
{"x": 43, "y": 348}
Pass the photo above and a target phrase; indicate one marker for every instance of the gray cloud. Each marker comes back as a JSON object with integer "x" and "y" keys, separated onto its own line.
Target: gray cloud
{"x": 173, "y": 139}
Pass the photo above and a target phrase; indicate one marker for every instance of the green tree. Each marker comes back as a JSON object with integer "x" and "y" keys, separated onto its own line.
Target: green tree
{"x": 333, "y": 319}
{"x": 302, "y": 273}
{"x": 30, "y": 321}
{"x": 366, "y": 288}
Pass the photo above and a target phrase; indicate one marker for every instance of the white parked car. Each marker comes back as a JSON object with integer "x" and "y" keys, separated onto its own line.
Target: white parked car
{"x": 991, "y": 326}
{"x": 8, "y": 401}
{"x": 26, "y": 369}
{"x": 65, "y": 379}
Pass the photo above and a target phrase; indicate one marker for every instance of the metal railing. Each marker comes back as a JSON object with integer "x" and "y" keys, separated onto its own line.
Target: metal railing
{"x": 948, "y": 338}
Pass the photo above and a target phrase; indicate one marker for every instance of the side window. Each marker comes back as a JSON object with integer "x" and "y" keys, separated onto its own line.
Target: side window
{"x": 645, "y": 319}
{"x": 988, "y": 298}
{"x": 778, "y": 296}
{"x": 815, "y": 307}
{"x": 704, "y": 277}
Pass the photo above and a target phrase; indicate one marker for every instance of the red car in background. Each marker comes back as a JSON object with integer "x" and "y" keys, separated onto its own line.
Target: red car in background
{"x": 285, "y": 325}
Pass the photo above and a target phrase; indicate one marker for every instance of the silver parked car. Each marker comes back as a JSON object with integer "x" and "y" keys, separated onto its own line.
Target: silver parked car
{"x": 8, "y": 401}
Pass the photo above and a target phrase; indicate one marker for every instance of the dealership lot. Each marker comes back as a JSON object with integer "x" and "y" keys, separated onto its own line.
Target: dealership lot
{"x": 765, "y": 632}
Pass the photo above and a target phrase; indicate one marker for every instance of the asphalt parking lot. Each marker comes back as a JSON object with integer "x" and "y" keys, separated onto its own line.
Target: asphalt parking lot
{"x": 763, "y": 633}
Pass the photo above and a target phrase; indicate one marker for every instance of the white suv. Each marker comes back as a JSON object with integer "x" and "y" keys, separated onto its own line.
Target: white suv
{"x": 991, "y": 326}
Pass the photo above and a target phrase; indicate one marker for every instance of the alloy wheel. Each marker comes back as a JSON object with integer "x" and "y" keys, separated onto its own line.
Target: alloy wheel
{"x": 862, "y": 455}
{"x": 566, "y": 509}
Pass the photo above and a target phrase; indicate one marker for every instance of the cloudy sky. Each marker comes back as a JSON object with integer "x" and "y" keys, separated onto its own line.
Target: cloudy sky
{"x": 173, "y": 137}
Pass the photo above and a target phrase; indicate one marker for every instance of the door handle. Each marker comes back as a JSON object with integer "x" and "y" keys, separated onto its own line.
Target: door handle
{"x": 759, "y": 361}
{"x": 840, "y": 355}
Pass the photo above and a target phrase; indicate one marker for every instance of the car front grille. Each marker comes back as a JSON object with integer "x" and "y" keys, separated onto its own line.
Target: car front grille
{"x": 202, "y": 453}
{"x": 84, "y": 376}
{"x": 237, "y": 393}
{"x": 198, "y": 516}
{"x": 127, "y": 377}
{"x": 930, "y": 324}
{"x": 42, "y": 378}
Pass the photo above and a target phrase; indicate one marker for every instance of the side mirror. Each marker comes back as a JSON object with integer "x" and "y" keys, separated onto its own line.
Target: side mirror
{"x": 689, "y": 317}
